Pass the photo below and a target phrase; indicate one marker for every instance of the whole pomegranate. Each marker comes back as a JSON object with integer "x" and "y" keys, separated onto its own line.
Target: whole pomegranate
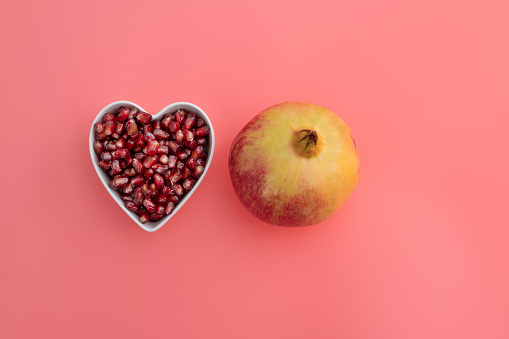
{"x": 294, "y": 164}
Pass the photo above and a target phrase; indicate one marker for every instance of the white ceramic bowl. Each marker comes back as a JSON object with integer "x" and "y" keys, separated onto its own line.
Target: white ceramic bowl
{"x": 151, "y": 226}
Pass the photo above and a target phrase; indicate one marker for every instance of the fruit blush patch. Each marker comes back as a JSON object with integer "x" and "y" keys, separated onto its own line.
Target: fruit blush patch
{"x": 151, "y": 164}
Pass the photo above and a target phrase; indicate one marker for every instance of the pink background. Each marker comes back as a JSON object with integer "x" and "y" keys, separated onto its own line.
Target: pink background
{"x": 420, "y": 250}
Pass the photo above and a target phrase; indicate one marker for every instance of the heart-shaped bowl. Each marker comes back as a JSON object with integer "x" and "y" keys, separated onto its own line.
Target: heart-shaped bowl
{"x": 151, "y": 226}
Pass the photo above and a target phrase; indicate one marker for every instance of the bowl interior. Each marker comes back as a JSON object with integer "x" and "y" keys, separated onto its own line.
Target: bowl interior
{"x": 151, "y": 226}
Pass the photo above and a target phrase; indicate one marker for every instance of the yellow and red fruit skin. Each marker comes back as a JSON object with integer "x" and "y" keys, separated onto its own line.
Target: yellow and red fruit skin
{"x": 281, "y": 183}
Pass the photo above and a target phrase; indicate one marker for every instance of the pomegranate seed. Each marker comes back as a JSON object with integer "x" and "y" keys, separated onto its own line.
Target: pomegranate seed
{"x": 130, "y": 144}
{"x": 174, "y": 147}
{"x": 109, "y": 127}
{"x": 98, "y": 127}
{"x": 139, "y": 155}
{"x": 186, "y": 173}
{"x": 149, "y": 205}
{"x": 128, "y": 188}
{"x": 189, "y": 122}
{"x": 133, "y": 113}
{"x": 147, "y": 128}
{"x": 126, "y": 197}
{"x": 145, "y": 149}
{"x": 165, "y": 124}
{"x": 175, "y": 176}
{"x": 191, "y": 163}
{"x": 169, "y": 208}
{"x": 174, "y": 126}
{"x": 106, "y": 156}
{"x": 200, "y": 123}
{"x": 174, "y": 198}
{"x": 160, "y": 168}
{"x": 100, "y": 136}
{"x": 119, "y": 127}
{"x": 98, "y": 148}
{"x": 115, "y": 135}
{"x": 163, "y": 159}
{"x": 188, "y": 183}
{"x": 179, "y": 137}
{"x": 149, "y": 137}
{"x": 138, "y": 197}
{"x": 131, "y": 206}
{"x": 156, "y": 125}
{"x": 172, "y": 161}
{"x": 122, "y": 164}
{"x": 137, "y": 181}
{"x": 191, "y": 144}
{"x": 187, "y": 134}
{"x": 144, "y": 217}
{"x": 109, "y": 117}
{"x": 160, "y": 209}
{"x": 180, "y": 165}
{"x": 153, "y": 147}
{"x": 115, "y": 167}
{"x": 120, "y": 143}
{"x": 130, "y": 172}
{"x": 119, "y": 182}
{"x": 104, "y": 165}
{"x": 167, "y": 190}
{"x": 178, "y": 189}
{"x": 140, "y": 140}
{"x": 200, "y": 162}
{"x": 153, "y": 187}
{"x": 131, "y": 127}
{"x": 144, "y": 117}
{"x": 150, "y": 161}
{"x": 161, "y": 199}
{"x": 160, "y": 134}
{"x": 128, "y": 159}
{"x": 198, "y": 171}
{"x": 180, "y": 116}
{"x": 163, "y": 149}
{"x": 138, "y": 166}
{"x": 147, "y": 192}
{"x": 158, "y": 181}
{"x": 122, "y": 113}
{"x": 198, "y": 152}
{"x": 121, "y": 152}
{"x": 201, "y": 131}
{"x": 182, "y": 155}
{"x": 148, "y": 173}
{"x": 110, "y": 146}
{"x": 201, "y": 141}
{"x": 156, "y": 216}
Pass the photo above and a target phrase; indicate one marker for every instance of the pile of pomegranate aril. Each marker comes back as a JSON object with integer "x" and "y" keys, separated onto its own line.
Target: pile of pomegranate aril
{"x": 152, "y": 164}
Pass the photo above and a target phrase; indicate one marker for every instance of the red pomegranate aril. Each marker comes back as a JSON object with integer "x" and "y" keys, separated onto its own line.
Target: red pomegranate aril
{"x": 130, "y": 144}
{"x": 98, "y": 148}
{"x": 109, "y": 127}
{"x": 131, "y": 127}
{"x": 160, "y": 209}
{"x": 198, "y": 152}
{"x": 200, "y": 162}
{"x": 175, "y": 176}
{"x": 186, "y": 173}
{"x": 160, "y": 134}
{"x": 147, "y": 128}
{"x": 179, "y": 137}
{"x": 138, "y": 166}
{"x": 178, "y": 189}
{"x": 163, "y": 149}
{"x": 169, "y": 208}
{"x": 163, "y": 159}
{"x": 145, "y": 149}
{"x": 147, "y": 192}
{"x": 174, "y": 147}
{"x": 189, "y": 122}
{"x": 160, "y": 168}
{"x": 100, "y": 136}
{"x": 156, "y": 125}
{"x": 180, "y": 116}
{"x": 180, "y": 165}
{"x": 110, "y": 146}
{"x": 139, "y": 155}
{"x": 149, "y": 137}
{"x": 106, "y": 156}
{"x": 191, "y": 144}
{"x": 200, "y": 123}
{"x": 148, "y": 173}
{"x": 138, "y": 197}
{"x": 144, "y": 217}
{"x": 158, "y": 181}
{"x": 140, "y": 140}
{"x": 104, "y": 165}
{"x": 188, "y": 184}
{"x": 153, "y": 187}
{"x": 131, "y": 206}
{"x": 201, "y": 141}
{"x": 198, "y": 171}
{"x": 120, "y": 143}
{"x": 126, "y": 197}
{"x": 174, "y": 198}
{"x": 165, "y": 123}
{"x": 122, "y": 163}
{"x": 119, "y": 182}
{"x": 130, "y": 172}
{"x": 156, "y": 216}
{"x": 191, "y": 163}
{"x": 119, "y": 127}
{"x": 137, "y": 181}
{"x": 182, "y": 155}
{"x": 167, "y": 190}
{"x": 161, "y": 199}
{"x": 121, "y": 152}
{"x": 153, "y": 147}
{"x": 172, "y": 161}
{"x": 150, "y": 161}
{"x": 115, "y": 135}
{"x": 144, "y": 117}
{"x": 201, "y": 131}
{"x": 115, "y": 165}
{"x": 174, "y": 126}
{"x": 133, "y": 113}
{"x": 128, "y": 159}
{"x": 98, "y": 127}
{"x": 128, "y": 188}
{"x": 122, "y": 113}
{"x": 149, "y": 205}
{"x": 109, "y": 117}
{"x": 188, "y": 135}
